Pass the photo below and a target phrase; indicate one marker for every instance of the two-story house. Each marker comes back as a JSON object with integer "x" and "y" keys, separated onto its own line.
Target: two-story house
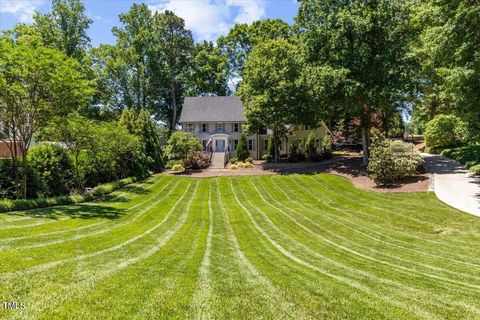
{"x": 219, "y": 121}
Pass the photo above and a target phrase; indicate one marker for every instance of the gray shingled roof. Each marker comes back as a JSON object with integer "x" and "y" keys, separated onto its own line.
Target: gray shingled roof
{"x": 216, "y": 109}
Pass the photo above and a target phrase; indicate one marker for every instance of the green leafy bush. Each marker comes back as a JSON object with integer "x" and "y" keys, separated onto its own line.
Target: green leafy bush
{"x": 249, "y": 160}
{"x": 310, "y": 146}
{"x": 391, "y": 161}
{"x": 248, "y": 165}
{"x": 233, "y": 160}
{"x": 110, "y": 187}
{"x": 475, "y": 169}
{"x": 178, "y": 167}
{"x": 468, "y": 155}
{"x": 326, "y": 148}
{"x": 242, "y": 148}
{"x": 53, "y": 167}
{"x": 182, "y": 145}
{"x": 171, "y": 163}
{"x": 7, "y": 205}
{"x": 445, "y": 131}
{"x": 234, "y": 167}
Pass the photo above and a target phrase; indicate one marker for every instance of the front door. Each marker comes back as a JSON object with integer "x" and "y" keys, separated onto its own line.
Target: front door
{"x": 219, "y": 146}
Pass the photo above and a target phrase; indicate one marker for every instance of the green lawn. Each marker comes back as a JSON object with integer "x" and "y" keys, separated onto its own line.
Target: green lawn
{"x": 297, "y": 246}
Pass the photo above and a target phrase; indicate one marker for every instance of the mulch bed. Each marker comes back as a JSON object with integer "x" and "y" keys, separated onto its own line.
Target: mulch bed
{"x": 349, "y": 167}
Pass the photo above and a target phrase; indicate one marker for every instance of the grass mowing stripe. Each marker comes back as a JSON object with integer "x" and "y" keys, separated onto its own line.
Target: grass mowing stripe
{"x": 238, "y": 247}
{"x": 201, "y": 304}
{"x": 277, "y": 300}
{"x": 354, "y": 284}
{"x": 78, "y": 209}
{"x": 102, "y": 230}
{"x": 45, "y": 266}
{"x": 336, "y": 234}
{"x": 90, "y": 279}
{"x": 368, "y": 215}
{"x": 402, "y": 287}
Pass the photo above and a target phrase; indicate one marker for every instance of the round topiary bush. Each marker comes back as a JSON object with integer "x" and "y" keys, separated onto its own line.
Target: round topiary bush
{"x": 445, "y": 131}
{"x": 177, "y": 168}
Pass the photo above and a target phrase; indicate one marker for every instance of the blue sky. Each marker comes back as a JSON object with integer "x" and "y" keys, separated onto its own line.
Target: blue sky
{"x": 208, "y": 19}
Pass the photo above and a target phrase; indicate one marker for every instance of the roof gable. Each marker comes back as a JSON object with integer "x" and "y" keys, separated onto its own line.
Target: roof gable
{"x": 212, "y": 109}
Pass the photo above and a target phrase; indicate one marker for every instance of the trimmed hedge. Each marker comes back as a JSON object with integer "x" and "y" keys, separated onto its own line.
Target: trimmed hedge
{"x": 468, "y": 156}
{"x": 7, "y": 205}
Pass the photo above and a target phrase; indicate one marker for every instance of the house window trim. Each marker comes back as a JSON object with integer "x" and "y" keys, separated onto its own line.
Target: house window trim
{"x": 218, "y": 125}
{"x": 236, "y": 127}
{"x": 206, "y": 127}
{"x": 250, "y": 144}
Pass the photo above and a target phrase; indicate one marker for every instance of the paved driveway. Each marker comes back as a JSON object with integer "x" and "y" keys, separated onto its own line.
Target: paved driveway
{"x": 453, "y": 184}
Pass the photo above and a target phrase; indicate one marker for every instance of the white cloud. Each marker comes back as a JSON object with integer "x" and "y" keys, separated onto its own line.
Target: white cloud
{"x": 22, "y": 9}
{"x": 209, "y": 19}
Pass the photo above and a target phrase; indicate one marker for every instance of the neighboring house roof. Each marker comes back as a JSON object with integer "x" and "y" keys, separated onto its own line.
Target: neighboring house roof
{"x": 212, "y": 109}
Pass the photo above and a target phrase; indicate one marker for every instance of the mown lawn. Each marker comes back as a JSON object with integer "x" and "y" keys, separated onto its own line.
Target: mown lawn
{"x": 297, "y": 246}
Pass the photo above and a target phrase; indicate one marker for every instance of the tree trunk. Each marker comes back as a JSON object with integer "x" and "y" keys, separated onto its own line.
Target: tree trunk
{"x": 24, "y": 178}
{"x": 174, "y": 102}
{"x": 365, "y": 144}
{"x": 275, "y": 144}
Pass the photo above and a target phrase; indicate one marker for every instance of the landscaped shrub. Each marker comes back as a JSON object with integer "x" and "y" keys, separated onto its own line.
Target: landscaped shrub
{"x": 468, "y": 156}
{"x": 201, "y": 160}
{"x": 233, "y": 167}
{"x": 475, "y": 169}
{"x": 391, "y": 161}
{"x": 445, "y": 131}
{"x": 53, "y": 167}
{"x": 248, "y": 165}
{"x": 7, "y": 205}
{"x": 249, "y": 160}
{"x": 233, "y": 160}
{"x": 242, "y": 148}
{"x": 171, "y": 163}
{"x": 108, "y": 188}
{"x": 326, "y": 148}
{"x": 8, "y": 187}
{"x": 182, "y": 145}
{"x": 407, "y": 159}
{"x": 178, "y": 167}
{"x": 270, "y": 154}
{"x": 241, "y": 165}
{"x": 310, "y": 146}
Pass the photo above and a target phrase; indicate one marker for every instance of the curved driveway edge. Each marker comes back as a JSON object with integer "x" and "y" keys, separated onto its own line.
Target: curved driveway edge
{"x": 453, "y": 184}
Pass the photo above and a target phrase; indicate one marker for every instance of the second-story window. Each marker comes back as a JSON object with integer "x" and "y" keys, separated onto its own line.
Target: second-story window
{"x": 204, "y": 127}
{"x": 250, "y": 144}
{"x": 220, "y": 127}
{"x": 236, "y": 127}
{"x": 190, "y": 127}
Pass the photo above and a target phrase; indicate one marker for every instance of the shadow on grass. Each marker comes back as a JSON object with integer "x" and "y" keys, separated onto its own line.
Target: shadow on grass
{"x": 77, "y": 211}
